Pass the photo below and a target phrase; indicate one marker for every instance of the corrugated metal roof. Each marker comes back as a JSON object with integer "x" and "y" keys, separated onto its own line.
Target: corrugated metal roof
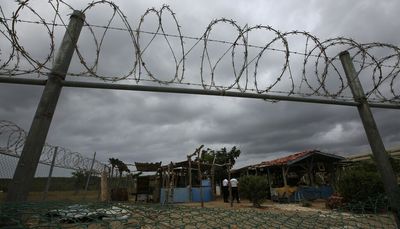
{"x": 284, "y": 160}
{"x": 294, "y": 158}
{"x": 147, "y": 167}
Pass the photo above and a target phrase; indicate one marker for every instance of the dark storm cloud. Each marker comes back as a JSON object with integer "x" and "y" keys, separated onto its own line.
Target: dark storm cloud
{"x": 364, "y": 21}
{"x": 18, "y": 102}
{"x": 143, "y": 126}
{"x": 271, "y": 126}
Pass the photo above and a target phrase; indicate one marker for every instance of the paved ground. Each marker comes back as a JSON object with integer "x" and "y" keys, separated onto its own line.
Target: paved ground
{"x": 316, "y": 206}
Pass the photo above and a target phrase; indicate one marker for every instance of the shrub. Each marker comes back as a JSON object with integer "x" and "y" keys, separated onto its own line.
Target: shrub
{"x": 360, "y": 185}
{"x": 255, "y": 188}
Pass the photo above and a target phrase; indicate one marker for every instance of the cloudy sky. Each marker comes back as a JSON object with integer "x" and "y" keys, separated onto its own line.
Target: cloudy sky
{"x": 151, "y": 127}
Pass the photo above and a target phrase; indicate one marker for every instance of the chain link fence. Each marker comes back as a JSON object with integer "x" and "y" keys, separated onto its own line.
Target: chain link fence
{"x": 128, "y": 215}
{"x": 61, "y": 173}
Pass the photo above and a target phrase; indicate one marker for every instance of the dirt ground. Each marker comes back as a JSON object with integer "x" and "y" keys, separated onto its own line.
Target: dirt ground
{"x": 316, "y": 206}
{"x": 215, "y": 214}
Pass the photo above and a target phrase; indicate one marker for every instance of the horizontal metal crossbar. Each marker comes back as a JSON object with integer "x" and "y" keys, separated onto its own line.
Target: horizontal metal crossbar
{"x": 129, "y": 87}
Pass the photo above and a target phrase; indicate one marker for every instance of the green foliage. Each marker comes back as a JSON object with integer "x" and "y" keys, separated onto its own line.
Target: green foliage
{"x": 255, "y": 188}
{"x": 120, "y": 165}
{"x": 79, "y": 177}
{"x": 395, "y": 164}
{"x": 3, "y": 185}
{"x": 360, "y": 183}
{"x": 113, "y": 162}
{"x": 370, "y": 164}
{"x": 222, "y": 156}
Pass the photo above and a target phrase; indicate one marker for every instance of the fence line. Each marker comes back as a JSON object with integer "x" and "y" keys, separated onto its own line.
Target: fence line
{"x": 12, "y": 139}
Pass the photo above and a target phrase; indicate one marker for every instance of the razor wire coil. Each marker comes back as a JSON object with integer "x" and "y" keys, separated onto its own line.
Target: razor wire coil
{"x": 313, "y": 71}
{"x": 12, "y": 139}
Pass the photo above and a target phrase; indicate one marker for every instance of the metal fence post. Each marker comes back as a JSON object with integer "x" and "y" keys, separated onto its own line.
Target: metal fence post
{"x": 90, "y": 172}
{"x": 46, "y": 190}
{"x": 381, "y": 157}
{"x": 27, "y": 164}
{"x": 104, "y": 189}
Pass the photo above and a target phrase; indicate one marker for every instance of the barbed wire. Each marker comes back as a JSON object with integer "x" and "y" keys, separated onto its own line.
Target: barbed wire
{"x": 176, "y": 36}
{"x": 12, "y": 140}
{"x": 296, "y": 62}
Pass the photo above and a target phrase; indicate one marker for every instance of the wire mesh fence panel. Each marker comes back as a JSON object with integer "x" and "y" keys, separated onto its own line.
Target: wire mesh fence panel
{"x": 12, "y": 139}
{"x": 7, "y": 168}
{"x": 128, "y": 215}
{"x": 63, "y": 184}
{"x": 70, "y": 172}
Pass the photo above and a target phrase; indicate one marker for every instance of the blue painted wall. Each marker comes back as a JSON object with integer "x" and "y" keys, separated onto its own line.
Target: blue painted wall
{"x": 181, "y": 195}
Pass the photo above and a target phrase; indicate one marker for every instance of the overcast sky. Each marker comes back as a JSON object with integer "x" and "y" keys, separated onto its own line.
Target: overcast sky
{"x": 152, "y": 127}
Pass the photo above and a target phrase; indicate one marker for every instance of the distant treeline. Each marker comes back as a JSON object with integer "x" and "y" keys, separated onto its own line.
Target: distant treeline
{"x": 57, "y": 184}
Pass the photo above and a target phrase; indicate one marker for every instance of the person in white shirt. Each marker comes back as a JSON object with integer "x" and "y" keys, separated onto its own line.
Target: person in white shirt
{"x": 225, "y": 190}
{"x": 235, "y": 192}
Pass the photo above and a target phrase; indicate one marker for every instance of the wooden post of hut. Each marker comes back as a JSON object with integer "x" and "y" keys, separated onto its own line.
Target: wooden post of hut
{"x": 172, "y": 184}
{"x": 104, "y": 186}
{"x": 269, "y": 183}
{"x": 190, "y": 170}
{"x": 213, "y": 178}
{"x": 168, "y": 184}
{"x": 310, "y": 173}
{"x": 229, "y": 182}
{"x": 164, "y": 184}
{"x": 200, "y": 178}
{"x": 284, "y": 173}
{"x": 190, "y": 178}
{"x": 164, "y": 177}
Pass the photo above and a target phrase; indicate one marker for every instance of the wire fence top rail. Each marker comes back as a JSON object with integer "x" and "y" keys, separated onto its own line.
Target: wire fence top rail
{"x": 12, "y": 140}
{"x": 255, "y": 59}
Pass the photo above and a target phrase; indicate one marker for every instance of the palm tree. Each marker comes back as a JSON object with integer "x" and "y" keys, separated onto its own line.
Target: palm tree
{"x": 113, "y": 162}
{"x": 122, "y": 167}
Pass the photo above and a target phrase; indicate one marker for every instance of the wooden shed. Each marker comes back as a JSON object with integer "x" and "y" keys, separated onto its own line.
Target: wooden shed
{"x": 147, "y": 181}
{"x": 304, "y": 175}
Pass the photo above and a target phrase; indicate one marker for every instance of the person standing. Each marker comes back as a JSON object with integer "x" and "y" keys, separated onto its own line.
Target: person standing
{"x": 235, "y": 191}
{"x": 225, "y": 190}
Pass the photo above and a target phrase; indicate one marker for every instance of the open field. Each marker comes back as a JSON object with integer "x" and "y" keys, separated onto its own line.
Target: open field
{"x": 57, "y": 184}
{"x": 60, "y": 196}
